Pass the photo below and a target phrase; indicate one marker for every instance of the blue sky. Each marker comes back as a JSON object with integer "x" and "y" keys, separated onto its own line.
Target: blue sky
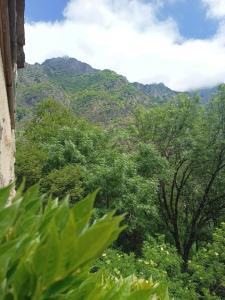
{"x": 45, "y": 10}
{"x": 178, "y": 42}
{"x": 191, "y": 18}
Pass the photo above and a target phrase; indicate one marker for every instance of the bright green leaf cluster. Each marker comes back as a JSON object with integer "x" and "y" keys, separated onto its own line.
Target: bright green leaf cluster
{"x": 159, "y": 261}
{"x": 47, "y": 250}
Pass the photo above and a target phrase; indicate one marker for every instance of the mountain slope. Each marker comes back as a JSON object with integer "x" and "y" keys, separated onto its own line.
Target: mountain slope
{"x": 158, "y": 91}
{"x": 100, "y": 96}
{"x": 33, "y": 85}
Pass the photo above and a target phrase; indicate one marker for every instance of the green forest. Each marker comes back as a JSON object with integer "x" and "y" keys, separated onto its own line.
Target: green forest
{"x": 153, "y": 165}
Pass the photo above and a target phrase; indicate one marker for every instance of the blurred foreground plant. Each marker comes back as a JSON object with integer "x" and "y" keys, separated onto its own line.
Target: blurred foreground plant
{"x": 47, "y": 250}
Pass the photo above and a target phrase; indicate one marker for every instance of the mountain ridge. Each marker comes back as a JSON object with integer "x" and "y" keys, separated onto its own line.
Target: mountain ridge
{"x": 101, "y": 96}
{"x": 68, "y": 65}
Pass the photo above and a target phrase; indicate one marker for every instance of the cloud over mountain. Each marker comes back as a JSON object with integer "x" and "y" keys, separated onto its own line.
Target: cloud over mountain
{"x": 126, "y": 36}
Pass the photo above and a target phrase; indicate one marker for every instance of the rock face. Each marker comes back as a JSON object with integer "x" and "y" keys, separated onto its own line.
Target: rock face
{"x": 11, "y": 56}
{"x": 67, "y": 65}
{"x": 159, "y": 91}
{"x": 101, "y": 96}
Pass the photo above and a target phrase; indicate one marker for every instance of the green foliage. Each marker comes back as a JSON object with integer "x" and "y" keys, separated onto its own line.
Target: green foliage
{"x": 158, "y": 261}
{"x": 207, "y": 268}
{"x": 162, "y": 256}
{"x": 118, "y": 263}
{"x": 67, "y": 180}
{"x": 190, "y": 140}
{"x": 99, "y": 96}
{"x": 68, "y": 155}
{"x": 165, "y": 168}
{"x": 102, "y": 96}
{"x": 30, "y": 159}
{"x": 47, "y": 249}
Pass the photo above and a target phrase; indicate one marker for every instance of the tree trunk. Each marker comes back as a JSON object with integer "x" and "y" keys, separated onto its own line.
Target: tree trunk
{"x": 186, "y": 254}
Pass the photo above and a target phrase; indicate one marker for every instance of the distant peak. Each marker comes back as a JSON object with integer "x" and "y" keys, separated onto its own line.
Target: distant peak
{"x": 67, "y": 65}
{"x": 60, "y": 59}
{"x": 161, "y": 84}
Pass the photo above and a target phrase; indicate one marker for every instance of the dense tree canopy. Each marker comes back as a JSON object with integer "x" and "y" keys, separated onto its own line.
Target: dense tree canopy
{"x": 165, "y": 168}
{"x": 191, "y": 140}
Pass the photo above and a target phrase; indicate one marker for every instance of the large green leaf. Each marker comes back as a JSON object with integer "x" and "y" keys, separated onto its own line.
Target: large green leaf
{"x": 47, "y": 250}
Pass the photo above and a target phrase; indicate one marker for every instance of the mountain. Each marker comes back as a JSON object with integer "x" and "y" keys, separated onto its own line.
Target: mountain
{"x": 66, "y": 65}
{"x": 158, "y": 91}
{"x": 206, "y": 93}
{"x": 102, "y": 96}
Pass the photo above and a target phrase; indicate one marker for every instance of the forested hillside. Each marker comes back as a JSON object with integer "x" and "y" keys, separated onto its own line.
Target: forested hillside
{"x": 164, "y": 167}
{"x": 100, "y": 96}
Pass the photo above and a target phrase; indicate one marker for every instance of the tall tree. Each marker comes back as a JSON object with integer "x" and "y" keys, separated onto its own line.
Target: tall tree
{"x": 191, "y": 139}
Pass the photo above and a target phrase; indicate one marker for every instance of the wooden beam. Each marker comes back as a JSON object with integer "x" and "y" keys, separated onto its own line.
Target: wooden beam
{"x": 20, "y": 8}
{"x": 12, "y": 29}
{"x": 7, "y": 56}
{"x": 12, "y": 40}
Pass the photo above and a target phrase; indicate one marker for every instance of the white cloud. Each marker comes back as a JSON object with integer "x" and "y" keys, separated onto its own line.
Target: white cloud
{"x": 126, "y": 36}
{"x": 216, "y": 8}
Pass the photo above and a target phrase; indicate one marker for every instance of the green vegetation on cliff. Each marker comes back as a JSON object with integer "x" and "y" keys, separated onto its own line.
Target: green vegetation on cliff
{"x": 99, "y": 96}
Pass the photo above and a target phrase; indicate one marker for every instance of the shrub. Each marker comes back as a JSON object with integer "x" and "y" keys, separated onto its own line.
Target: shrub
{"x": 47, "y": 250}
{"x": 208, "y": 268}
{"x": 159, "y": 261}
{"x": 65, "y": 180}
